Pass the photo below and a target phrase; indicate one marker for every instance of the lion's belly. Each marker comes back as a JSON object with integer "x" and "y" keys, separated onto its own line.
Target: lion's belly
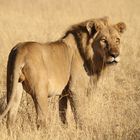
{"x": 55, "y": 87}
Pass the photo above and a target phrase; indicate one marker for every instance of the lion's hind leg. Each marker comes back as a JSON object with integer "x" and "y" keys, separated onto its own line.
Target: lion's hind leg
{"x": 40, "y": 99}
{"x": 14, "y": 108}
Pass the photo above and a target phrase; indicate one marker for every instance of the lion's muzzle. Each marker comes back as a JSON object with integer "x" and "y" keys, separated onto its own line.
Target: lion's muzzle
{"x": 112, "y": 59}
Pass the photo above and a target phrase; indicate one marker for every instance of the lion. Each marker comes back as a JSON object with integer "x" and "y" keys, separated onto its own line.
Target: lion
{"x": 62, "y": 68}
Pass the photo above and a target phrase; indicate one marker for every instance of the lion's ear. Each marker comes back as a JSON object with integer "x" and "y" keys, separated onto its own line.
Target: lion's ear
{"x": 93, "y": 26}
{"x": 121, "y": 27}
{"x": 89, "y": 26}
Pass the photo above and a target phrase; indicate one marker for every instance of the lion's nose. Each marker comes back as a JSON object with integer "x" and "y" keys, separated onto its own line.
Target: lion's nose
{"x": 114, "y": 53}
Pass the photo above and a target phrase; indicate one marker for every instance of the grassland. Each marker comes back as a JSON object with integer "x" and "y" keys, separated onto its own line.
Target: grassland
{"x": 112, "y": 110}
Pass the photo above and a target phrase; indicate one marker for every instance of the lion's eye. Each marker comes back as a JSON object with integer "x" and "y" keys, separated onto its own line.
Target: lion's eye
{"x": 103, "y": 42}
{"x": 117, "y": 41}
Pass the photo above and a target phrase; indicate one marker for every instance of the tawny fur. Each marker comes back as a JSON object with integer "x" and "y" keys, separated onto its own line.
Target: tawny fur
{"x": 60, "y": 68}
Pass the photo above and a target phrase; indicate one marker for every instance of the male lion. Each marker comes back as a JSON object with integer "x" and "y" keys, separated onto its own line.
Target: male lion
{"x": 62, "y": 67}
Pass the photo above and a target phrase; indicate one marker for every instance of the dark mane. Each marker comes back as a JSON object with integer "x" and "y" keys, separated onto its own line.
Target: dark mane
{"x": 77, "y": 31}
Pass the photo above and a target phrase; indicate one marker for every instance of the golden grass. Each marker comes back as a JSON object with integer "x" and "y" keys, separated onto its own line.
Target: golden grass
{"x": 112, "y": 110}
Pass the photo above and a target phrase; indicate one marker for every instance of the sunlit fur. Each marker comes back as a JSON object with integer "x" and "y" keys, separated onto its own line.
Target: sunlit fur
{"x": 59, "y": 68}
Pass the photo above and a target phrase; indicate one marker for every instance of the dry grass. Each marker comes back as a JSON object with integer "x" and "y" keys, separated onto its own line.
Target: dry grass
{"x": 112, "y": 110}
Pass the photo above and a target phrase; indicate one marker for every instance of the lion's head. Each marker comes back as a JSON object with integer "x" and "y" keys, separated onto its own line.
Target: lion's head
{"x": 104, "y": 44}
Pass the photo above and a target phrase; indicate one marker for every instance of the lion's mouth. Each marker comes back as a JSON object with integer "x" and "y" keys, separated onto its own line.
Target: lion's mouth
{"x": 112, "y": 60}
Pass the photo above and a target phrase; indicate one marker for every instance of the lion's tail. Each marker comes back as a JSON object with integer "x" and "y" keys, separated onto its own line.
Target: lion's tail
{"x": 13, "y": 69}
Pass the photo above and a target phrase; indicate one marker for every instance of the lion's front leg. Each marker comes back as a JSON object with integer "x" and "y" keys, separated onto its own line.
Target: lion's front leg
{"x": 74, "y": 108}
{"x": 63, "y": 101}
{"x": 77, "y": 108}
{"x": 78, "y": 91}
{"x": 63, "y": 108}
